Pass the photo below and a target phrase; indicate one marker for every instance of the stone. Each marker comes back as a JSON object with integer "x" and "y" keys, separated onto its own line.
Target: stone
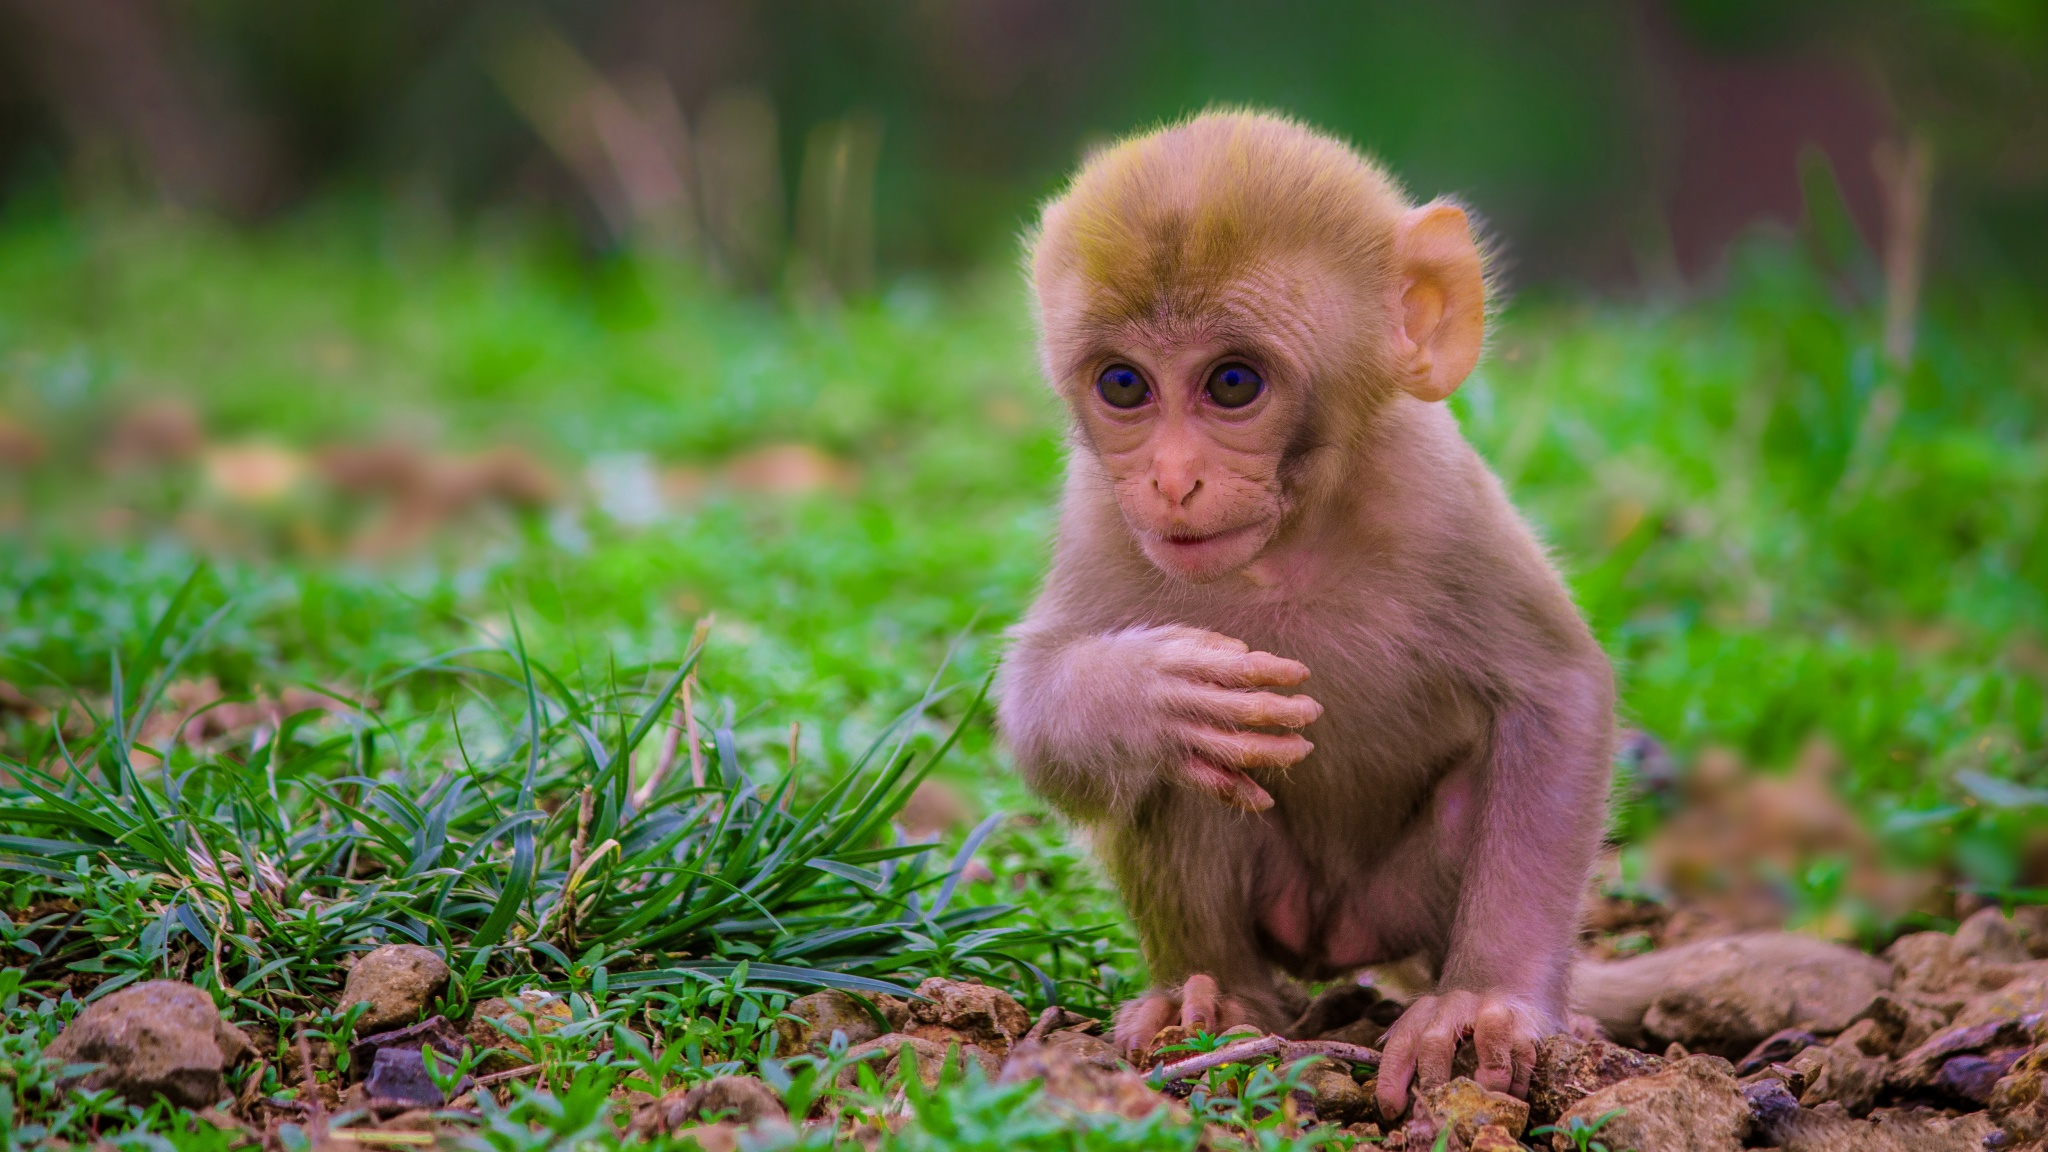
{"x": 1840, "y": 1074}
{"x": 737, "y": 1101}
{"x": 1568, "y": 1070}
{"x": 975, "y": 1013}
{"x": 397, "y": 981}
{"x": 1899, "y": 1024}
{"x": 1772, "y": 1106}
{"x": 1776, "y": 1048}
{"x": 435, "y": 1030}
{"x": 820, "y": 1014}
{"x": 1693, "y": 1106}
{"x": 1990, "y": 938}
{"x": 2018, "y": 1103}
{"x": 1081, "y": 1078}
{"x": 1973, "y": 1078}
{"x": 1917, "y": 1069}
{"x": 399, "y": 1076}
{"x": 159, "y": 1038}
{"x": 1494, "y": 1138}
{"x": 1340, "y": 1005}
{"x": 1905, "y": 1131}
{"x": 496, "y": 1026}
{"x": 1338, "y": 1098}
{"x": 931, "y": 1055}
{"x": 1726, "y": 996}
{"x": 1464, "y": 1107}
{"x": 2025, "y": 995}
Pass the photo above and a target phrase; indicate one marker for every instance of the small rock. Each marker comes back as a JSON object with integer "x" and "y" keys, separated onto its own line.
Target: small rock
{"x": 1917, "y": 1069}
{"x": 1341, "y": 1004}
{"x": 739, "y": 1101}
{"x": 434, "y": 1030}
{"x": 1083, "y": 1046}
{"x": 820, "y": 1014}
{"x": 931, "y": 1055}
{"x": 1569, "y": 1069}
{"x": 159, "y": 1038}
{"x": 2024, "y": 995}
{"x": 985, "y": 1017}
{"x": 1726, "y": 996}
{"x": 1079, "y": 1077}
{"x": 1840, "y": 1074}
{"x": 1494, "y": 1138}
{"x": 1338, "y": 1098}
{"x": 1899, "y": 1024}
{"x": 1935, "y": 968}
{"x": 1772, "y": 1107}
{"x": 1692, "y": 1106}
{"x": 1464, "y": 1107}
{"x": 1989, "y": 938}
{"x": 397, "y": 981}
{"x": 1973, "y": 1078}
{"x": 1776, "y": 1048}
{"x": 399, "y": 1076}
{"x": 496, "y": 1025}
{"x": 1907, "y": 1131}
{"x": 2017, "y": 1101}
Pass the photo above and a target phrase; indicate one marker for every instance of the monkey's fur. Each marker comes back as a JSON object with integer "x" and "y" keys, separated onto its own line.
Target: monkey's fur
{"x": 1452, "y": 798}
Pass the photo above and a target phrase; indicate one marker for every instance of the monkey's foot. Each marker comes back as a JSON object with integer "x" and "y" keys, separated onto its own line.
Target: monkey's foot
{"x": 1423, "y": 1042}
{"x": 1197, "y": 1006}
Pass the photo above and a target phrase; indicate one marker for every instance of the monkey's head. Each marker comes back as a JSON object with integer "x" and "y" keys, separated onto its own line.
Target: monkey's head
{"x": 1226, "y": 305}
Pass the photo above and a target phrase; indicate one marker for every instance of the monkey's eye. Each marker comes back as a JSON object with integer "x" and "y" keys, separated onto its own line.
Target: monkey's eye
{"x": 1122, "y": 387}
{"x": 1234, "y": 385}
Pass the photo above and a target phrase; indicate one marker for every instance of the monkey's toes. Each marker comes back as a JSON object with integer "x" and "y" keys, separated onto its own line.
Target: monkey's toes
{"x": 1198, "y": 1005}
{"x": 1424, "y": 1041}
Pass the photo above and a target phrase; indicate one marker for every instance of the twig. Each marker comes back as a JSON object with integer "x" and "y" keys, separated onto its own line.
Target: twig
{"x": 508, "y": 1074}
{"x": 316, "y": 1109}
{"x": 690, "y": 728}
{"x": 795, "y": 731}
{"x": 685, "y": 720}
{"x": 1905, "y": 179}
{"x": 576, "y": 847}
{"x": 1046, "y": 1020}
{"x": 1249, "y": 1050}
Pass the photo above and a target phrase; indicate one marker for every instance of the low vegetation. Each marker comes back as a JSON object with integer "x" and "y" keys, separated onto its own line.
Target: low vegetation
{"x": 243, "y": 736}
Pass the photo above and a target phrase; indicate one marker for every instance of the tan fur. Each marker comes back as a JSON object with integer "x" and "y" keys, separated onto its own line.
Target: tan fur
{"x": 1448, "y": 796}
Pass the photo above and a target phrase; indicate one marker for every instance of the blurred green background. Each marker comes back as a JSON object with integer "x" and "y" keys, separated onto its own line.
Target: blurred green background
{"x": 404, "y": 320}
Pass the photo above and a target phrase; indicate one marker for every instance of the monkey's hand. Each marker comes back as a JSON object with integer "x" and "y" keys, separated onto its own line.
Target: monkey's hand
{"x": 1207, "y": 692}
{"x": 1196, "y": 1005}
{"x": 1423, "y": 1042}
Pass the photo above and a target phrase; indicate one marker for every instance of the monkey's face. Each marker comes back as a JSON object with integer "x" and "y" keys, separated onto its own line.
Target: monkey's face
{"x": 1191, "y": 429}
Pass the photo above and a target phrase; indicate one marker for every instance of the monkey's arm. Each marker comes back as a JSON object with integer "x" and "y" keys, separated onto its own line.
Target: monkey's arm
{"x": 1098, "y": 719}
{"x": 1506, "y": 968}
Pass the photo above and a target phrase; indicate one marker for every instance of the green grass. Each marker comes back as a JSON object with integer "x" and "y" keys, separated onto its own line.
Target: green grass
{"x": 1777, "y": 535}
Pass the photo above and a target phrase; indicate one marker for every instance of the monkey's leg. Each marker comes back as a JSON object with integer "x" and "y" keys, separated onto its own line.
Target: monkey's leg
{"x": 1506, "y": 968}
{"x": 1184, "y": 871}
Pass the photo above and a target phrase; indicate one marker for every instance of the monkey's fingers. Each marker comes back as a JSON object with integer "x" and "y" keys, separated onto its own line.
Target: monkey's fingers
{"x": 1232, "y": 787}
{"x": 1231, "y": 662}
{"x": 1506, "y": 1046}
{"x": 1138, "y": 1021}
{"x": 1397, "y": 1063}
{"x": 1198, "y": 1012}
{"x": 1263, "y": 669}
{"x": 1253, "y": 709}
{"x": 1247, "y": 750}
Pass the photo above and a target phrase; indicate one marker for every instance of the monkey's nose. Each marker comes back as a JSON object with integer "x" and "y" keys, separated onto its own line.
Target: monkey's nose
{"x": 1178, "y": 490}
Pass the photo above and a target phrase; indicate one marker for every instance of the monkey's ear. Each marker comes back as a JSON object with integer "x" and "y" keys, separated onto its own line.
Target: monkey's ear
{"x": 1440, "y": 314}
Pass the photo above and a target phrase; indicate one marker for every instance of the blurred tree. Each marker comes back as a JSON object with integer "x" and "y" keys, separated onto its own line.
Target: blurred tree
{"x": 1605, "y": 140}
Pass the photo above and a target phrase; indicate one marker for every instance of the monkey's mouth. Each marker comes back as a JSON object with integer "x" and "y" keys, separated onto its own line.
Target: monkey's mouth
{"x": 1192, "y": 542}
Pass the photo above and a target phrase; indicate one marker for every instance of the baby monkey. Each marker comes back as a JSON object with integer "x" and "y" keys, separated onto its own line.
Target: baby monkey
{"x": 1253, "y": 330}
